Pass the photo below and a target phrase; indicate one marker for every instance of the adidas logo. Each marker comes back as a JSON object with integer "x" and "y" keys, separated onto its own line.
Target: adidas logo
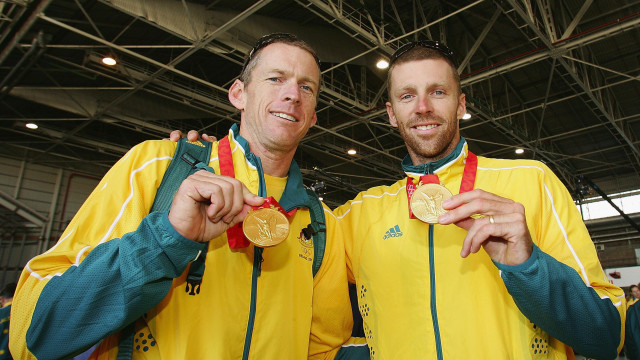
{"x": 392, "y": 232}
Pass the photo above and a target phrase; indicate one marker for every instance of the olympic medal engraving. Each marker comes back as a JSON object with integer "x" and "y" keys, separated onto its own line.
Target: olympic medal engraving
{"x": 265, "y": 227}
{"x": 426, "y": 202}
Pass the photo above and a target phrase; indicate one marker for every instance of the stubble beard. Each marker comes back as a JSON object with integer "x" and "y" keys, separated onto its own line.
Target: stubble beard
{"x": 423, "y": 151}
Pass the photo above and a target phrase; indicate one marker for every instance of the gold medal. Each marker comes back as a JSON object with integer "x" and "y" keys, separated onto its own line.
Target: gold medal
{"x": 266, "y": 227}
{"x": 426, "y": 202}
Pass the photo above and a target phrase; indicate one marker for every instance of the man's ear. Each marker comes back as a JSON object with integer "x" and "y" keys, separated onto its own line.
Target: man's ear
{"x": 314, "y": 119}
{"x": 392, "y": 115}
{"x": 237, "y": 95}
{"x": 462, "y": 106}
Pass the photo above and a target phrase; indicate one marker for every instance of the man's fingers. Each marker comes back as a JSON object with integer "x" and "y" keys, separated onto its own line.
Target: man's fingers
{"x": 228, "y": 196}
{"x": 192, "y": 135}
{"x": 480, "y": 230}
{"x": 209, "y": 138}
{"x": 480, "y": 202}
{"x": 236, "y": 201}
{"x": 473, "y": 196}
{"x": 227, "y": 200}
{"x": 466, "y": 246}
{"x": 175, "y": 135}
{"x": 240, "y": 216}
{"x": 251, "y": 198}
{"x": 465, "y": 223}
{"x": 244, "y": 201}
{"x": 506, "y": 239}
{"x": 224, "y": 194}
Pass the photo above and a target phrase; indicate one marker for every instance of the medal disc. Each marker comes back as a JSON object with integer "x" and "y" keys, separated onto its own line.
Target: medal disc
{"x": 265, "y": 227}
{"x": 426, "y": 202}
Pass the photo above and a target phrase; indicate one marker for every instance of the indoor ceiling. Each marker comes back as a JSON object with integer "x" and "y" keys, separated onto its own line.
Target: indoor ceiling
{"x": 559, "y": 79}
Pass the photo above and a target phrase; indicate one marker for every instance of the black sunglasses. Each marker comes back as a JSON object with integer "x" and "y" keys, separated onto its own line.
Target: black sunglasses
{"x": 268, "y": 40}
{"x": 429, "y": 44}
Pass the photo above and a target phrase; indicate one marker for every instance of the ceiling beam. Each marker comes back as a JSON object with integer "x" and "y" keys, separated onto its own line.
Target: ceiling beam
{"x": 559, "y": 47}
{"x": 21, "y": 209}
{"x": 585, "y": 87}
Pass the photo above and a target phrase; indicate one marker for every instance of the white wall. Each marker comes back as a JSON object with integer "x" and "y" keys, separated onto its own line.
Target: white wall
{"x": 628, "y": 276}
{"x": 53, "y": 193}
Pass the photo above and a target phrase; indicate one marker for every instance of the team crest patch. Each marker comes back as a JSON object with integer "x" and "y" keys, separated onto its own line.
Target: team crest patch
{"x": 306, "y": 243}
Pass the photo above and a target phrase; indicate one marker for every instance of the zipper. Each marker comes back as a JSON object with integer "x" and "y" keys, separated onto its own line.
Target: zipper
{"x": 257, "y": 265}
{"x": 434, "y": 310}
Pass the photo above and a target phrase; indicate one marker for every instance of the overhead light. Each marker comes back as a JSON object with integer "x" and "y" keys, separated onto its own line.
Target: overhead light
{"x": 109, "y": 60}
{"x": 466, "y": 116}
{"x": 320, "y": 198}
{"x": 352, "y": 151}
{"x": 519, "y": 151}
{"x": 382, "y": 64}
{"x": 31, "y": 126}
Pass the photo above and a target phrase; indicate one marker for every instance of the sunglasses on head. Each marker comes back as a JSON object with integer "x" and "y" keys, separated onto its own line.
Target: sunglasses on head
{"x": 268, "y": 40}
{"x": 429, "y": 44}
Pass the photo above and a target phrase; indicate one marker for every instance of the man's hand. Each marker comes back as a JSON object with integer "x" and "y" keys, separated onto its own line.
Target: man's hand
{"x": 192, "y": 135}
{"x": 502, "y": 232}
{"x": 206, "y": 205}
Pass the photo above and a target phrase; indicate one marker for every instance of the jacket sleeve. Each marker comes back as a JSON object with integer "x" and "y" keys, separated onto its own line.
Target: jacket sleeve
{"x": 332, "y": 320}
{"x": 562, "y": 287}
{"x": 112, "y": 263}
{"x": 632, "y": 333}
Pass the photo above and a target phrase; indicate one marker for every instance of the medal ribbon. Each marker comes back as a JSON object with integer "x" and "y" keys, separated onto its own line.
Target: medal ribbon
{"x": 235, "y": 235}
{"x": 271, "y": 202}
{"x": 468, "y": 179}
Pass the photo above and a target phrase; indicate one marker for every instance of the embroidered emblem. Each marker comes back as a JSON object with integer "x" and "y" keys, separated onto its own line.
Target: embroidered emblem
{"x": 305, "y": 238}
{"x": 392, "y": 232}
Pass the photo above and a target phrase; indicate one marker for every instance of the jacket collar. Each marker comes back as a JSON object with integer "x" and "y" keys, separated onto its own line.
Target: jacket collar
{"x": 294, "y": 194}
{"x": 435, "y": 166}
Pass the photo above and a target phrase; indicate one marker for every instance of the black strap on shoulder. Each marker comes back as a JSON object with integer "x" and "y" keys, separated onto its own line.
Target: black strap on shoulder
{"x": 319, "y": 228}
{"x": 188, "y": 155}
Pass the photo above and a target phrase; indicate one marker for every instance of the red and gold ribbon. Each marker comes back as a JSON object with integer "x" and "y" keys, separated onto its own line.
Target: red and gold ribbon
{"x": 235, "y": 235}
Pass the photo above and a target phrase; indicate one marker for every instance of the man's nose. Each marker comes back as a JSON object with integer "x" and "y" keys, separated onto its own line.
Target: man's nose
{"x": 424, "y": 105}
{"x": 291, "y": 92}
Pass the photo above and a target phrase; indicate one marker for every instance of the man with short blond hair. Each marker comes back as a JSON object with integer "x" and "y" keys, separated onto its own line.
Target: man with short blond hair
{"x": 538, "y": 287}
{"x": 184, "y": 284}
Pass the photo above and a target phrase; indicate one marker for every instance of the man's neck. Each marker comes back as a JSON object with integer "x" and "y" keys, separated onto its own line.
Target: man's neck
{"x": 274, "y": 164}
{"x": 419, "y": 159}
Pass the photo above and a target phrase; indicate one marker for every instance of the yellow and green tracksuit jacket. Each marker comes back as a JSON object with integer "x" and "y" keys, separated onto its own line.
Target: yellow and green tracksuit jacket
{"x": 116, "y": 263}
{"x": 632, "y": 331}
{"x": 420, "y": 300}
{"x": 5, "y": 313}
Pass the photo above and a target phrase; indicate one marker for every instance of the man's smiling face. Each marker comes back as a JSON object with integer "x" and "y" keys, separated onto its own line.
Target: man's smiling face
{"x": 425, "y": 105}
{"x": 278, "y": 102}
